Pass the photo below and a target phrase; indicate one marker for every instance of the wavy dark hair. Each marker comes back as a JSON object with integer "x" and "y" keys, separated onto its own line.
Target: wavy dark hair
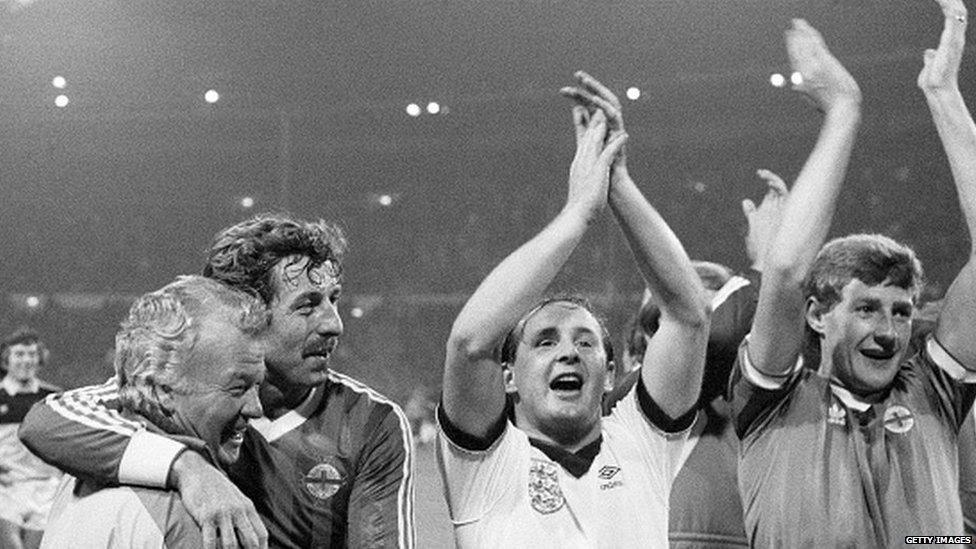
{"x": 244, "y": 256}
{"x": 22, "y": 336}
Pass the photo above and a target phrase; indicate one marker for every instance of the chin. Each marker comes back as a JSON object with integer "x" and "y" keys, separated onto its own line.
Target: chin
{"x": 227, "y": 456}
{"x": 874, "y": 379}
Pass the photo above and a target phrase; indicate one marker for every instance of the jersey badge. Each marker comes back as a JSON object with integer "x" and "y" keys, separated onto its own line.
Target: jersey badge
{"x": 4, "y": 409}
{"x": 323, "y": 480}
{"x": 836, "y": 415}
{"x": 544, "y": 491}
{"x": 898, "y": 419}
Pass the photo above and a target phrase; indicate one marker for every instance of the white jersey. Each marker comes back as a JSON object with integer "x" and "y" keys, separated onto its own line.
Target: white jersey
{"x": 513, "y": 495}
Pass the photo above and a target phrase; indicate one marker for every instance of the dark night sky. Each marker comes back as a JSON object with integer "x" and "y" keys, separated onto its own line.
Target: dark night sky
{"x": 122, "y": 190}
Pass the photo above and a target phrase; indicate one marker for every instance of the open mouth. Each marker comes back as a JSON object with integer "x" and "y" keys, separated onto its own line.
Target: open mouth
{"x": 235, "y": 435}
{"x": 878, "y": 354}
{"x": 566, "y": 382}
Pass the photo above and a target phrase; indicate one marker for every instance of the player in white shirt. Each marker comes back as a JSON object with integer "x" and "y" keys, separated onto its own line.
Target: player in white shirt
{"x": 527, "y": 459}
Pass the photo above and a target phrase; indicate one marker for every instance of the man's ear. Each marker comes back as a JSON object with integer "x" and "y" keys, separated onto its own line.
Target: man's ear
{"x": 164, "y": 397}
{"x": 815, "y": 315}
{"x": 509, "y": 378}
{"x": 608, "y": 383}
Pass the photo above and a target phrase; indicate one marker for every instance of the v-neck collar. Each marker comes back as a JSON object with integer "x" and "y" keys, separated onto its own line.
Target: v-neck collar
{"x": 849, "y": 399}
{"x": 576, "y": 463}
{"x": 273, "y": 429}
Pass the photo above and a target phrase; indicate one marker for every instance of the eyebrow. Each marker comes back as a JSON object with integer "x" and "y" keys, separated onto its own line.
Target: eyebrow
{"x": 551, "y": 331}
{"x": 872, "y": 301}
{"x": 314, "y": 295}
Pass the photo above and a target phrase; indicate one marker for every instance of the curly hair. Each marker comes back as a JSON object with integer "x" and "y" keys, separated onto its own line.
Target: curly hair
{"x": 509, "y": 346}
{"x": 22, "y": 336}
{"x": 870, "y": 258}
{"x": 160, "y": 331}
{"x": 244, "y": 256}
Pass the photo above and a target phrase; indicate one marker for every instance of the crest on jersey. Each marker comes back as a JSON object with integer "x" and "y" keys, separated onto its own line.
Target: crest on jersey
{"x": 898, "y": 419}
{"x": 836, "y": 415}
{"x": 323, "y": 480}
{"x": 544, "y": 491}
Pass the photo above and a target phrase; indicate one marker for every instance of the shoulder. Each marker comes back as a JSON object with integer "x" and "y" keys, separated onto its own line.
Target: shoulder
{"x": 366, "y": 410}
{"x": 357, "y": 398}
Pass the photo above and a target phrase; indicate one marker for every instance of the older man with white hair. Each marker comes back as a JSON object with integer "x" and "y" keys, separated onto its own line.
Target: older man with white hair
{"x": 189, "y": 361}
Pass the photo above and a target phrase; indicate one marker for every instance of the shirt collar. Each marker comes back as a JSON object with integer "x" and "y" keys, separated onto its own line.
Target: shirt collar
{"x": 849, "y": 399}
{"x": 12, "y": 387}
{"x": 576, "y": 463}
{"x": 274, "y": 429}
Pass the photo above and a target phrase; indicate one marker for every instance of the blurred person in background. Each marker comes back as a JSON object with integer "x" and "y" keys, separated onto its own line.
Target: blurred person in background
{"x": 27, "y": 484}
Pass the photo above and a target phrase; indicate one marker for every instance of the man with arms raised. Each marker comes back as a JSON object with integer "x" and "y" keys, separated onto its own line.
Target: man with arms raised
{"x": 189, "y": 361}
{"x": 555, "y": 473}
{"x": 860, "y": 451}
{"x": 328, "y": 465}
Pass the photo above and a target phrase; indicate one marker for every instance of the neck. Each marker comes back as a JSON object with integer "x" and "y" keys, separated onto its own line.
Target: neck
{"x": 570, "y": 438}
{"x": 826, "y": 370}
{"x": 19, "y": 384}
{"x": 280, "y": 399}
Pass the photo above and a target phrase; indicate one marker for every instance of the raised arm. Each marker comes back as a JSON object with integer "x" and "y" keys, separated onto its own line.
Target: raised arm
{"x": 763, "y": 220}
{"x": 675, "y": 356}
{"x": 81, "y": 432}
{"x": 777, "y": 334}
{"x": 939, "y": 80}
{"x": 474, "y": 397}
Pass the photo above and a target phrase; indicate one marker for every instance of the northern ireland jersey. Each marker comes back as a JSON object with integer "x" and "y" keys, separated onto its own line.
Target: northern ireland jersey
{"x": 334, "y": 472}
{"x": 818, "y": 467}
{"x": 515, "y": 495}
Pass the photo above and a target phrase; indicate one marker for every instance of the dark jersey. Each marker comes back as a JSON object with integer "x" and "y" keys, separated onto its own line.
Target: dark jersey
{"x": 22, "y": 464}
{"x": 819, "y": 467}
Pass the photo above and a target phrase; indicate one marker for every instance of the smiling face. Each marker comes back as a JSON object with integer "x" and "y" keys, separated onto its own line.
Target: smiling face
{"x": 305, "y": 324}
{"x": 219, "y": 395}
{"x": 23, "y": 361}
{"x": 559, "y": 374}
{"x": 864, "y": 336}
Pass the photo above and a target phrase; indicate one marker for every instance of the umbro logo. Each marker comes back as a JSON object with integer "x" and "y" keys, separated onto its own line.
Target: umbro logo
{"x": 608, "y": 471}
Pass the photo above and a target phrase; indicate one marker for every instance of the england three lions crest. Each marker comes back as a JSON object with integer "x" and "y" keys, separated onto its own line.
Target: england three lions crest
{"x": 544, "y": 492}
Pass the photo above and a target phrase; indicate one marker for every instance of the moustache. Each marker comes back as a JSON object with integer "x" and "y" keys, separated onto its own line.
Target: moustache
{"x": 323, "y": 347}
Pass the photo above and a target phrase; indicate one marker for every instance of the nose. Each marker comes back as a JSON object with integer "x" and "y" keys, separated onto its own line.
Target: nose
{"x": 252, "y": 404}
{"x": 885, "y": 333}
{"x": 327, "y": 320}
{"x": 568, "y": 353}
